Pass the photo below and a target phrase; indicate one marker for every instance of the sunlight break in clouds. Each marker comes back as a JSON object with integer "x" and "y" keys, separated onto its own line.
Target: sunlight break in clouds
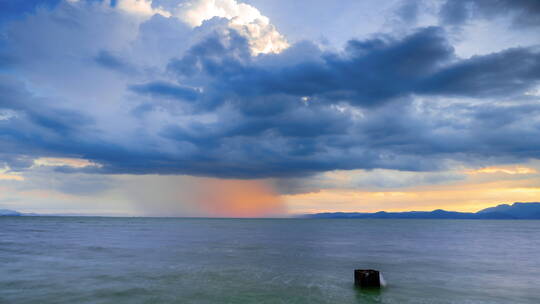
{"x": 246, "y": 19}
{"x": 141, "y": 7}
{"x": 60, "y": 162}
{"x": 506, "y": 170}
{"x": 9, "y": 176}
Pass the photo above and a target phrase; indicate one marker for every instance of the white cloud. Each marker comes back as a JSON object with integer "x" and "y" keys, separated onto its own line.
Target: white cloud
{"x": 7, "y": 114}
{"x": 141, "y": 7}
{"x": 246, "y": 19}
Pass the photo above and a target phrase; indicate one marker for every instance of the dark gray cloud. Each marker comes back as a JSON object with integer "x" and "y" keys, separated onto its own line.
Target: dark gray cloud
{"x": 297, "y": 113}
{"x": 523, "y": 12}
{"x": 408, "y": 11}
{"x": 114, "y": 62}
{"x": 167, "y": 90}
{"x": 500, "y": 74}
{"x": 38, "y": 129}
{"x": 370, "y": 73}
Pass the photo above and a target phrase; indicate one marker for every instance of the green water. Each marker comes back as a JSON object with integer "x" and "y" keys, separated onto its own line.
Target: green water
{"x": 145, "y": 260}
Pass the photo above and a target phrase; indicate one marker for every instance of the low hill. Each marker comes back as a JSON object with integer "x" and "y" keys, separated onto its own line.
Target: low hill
{"x": 516, "y": 211}
{"x": 7, "y": 212}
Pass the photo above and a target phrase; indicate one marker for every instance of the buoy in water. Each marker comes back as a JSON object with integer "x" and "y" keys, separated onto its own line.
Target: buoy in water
{"x": 368, "y": 278}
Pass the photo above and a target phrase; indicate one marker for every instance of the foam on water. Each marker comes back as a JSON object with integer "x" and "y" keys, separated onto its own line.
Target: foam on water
{"x": 381, "y": 279}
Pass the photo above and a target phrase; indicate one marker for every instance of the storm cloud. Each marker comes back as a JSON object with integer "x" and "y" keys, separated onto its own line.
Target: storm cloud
{"x": 523, "y": 12}
{"x": 209, "y": 107}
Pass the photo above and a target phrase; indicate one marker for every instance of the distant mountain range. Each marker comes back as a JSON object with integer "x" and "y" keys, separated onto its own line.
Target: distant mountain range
{"x": 516, "y": 211}
{"x": 7, "y": 212}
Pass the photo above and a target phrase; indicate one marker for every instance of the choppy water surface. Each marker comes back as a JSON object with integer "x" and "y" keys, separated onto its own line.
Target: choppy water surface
{"x": 145, "y": 260}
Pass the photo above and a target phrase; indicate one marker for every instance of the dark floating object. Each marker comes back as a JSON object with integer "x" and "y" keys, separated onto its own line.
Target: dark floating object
{"x": 368, "y": 278}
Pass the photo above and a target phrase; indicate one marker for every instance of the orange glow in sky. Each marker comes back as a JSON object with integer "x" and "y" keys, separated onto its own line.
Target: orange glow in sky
{"x": 482, "y": 188}
{"x": 238, "y": 198}
{"x": 507, "y": 170}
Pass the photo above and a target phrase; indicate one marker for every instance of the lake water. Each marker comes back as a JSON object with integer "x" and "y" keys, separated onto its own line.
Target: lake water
{"x": 150, "y": 260}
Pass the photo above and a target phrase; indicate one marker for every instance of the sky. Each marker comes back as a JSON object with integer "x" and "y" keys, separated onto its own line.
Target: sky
{"x": 263, "y": 108}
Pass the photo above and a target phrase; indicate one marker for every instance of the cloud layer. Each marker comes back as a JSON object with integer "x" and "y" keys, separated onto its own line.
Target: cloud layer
{"x": 211, "y": 88}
